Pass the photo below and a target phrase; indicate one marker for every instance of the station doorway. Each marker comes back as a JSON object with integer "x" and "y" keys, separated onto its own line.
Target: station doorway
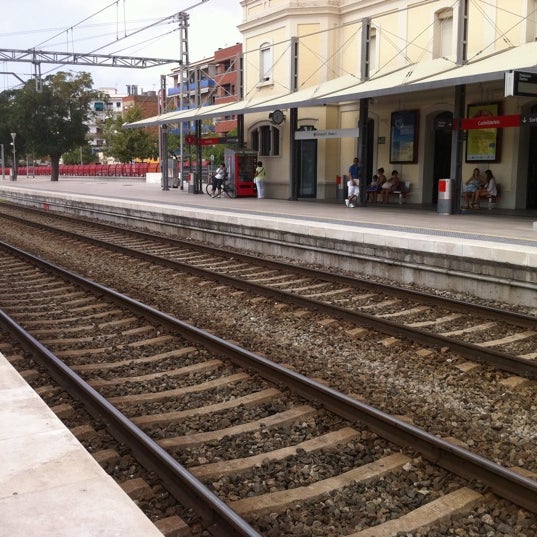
{"x": 307, "y": 168}
{"x": 531, "y": 189}
{"x": 443, "y": 128}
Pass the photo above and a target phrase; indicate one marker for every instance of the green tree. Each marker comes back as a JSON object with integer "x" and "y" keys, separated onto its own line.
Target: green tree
{"x": 54, "y": 120}
{"x": 127, "y": 145}
{"x": 82, "y": 153}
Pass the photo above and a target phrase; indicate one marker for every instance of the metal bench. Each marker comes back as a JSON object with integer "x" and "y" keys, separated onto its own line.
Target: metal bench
{"x": 491, "y": 200}
{"x": 402, "y": 194}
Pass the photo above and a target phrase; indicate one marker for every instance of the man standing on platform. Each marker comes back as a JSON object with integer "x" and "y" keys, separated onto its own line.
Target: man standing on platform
{"x": 354, "y": 179}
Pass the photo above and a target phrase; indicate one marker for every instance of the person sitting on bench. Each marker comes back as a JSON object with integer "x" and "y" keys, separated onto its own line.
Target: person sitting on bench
{"x": 471, "y": 186}
{"x": 488, "y": 189}
{"x": 395, "y": 184}
{"x": 376, "y": 185}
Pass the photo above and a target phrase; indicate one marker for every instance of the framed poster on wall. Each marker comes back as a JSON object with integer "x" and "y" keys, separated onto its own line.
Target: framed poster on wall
{"x": 404, "y": 136}
{"x": 482, "y": 145}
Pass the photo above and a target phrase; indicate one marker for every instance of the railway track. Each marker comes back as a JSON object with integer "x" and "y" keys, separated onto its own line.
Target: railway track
{"x": 502, "y": 338}
{"x": 194, "y": 394}
{"x": 491, "y": 409}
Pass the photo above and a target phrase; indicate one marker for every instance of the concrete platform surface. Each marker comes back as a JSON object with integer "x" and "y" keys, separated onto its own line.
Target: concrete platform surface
{"x": 490, "y": 236}
{"x": 495, "y": 226}
{"x": 49, "y": 484}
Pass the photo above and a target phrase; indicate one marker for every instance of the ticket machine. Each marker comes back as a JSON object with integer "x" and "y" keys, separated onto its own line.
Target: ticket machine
{"x": 241, "y": 164}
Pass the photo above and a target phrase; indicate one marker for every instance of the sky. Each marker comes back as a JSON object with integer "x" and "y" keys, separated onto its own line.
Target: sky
{"x": 114, "y": 27}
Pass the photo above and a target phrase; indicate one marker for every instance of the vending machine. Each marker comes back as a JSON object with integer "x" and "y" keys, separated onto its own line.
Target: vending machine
{"x": 241, "y": 164}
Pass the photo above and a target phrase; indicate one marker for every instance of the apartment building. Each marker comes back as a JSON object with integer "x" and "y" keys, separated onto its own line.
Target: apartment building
{"x": 228, "y": 84}
{"x": 110, "y": 106}
{"x": 114, "y": 104}
{"x": 211, "y": 81}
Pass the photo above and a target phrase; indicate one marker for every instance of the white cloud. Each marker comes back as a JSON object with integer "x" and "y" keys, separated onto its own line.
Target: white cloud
{"x": 77, "y": 26}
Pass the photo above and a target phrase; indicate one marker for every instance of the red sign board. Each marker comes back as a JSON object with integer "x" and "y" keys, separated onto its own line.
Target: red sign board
{"x": 190, "y": 139}
{"x": 490, "y": 122}
{"x": 210, "y": 141}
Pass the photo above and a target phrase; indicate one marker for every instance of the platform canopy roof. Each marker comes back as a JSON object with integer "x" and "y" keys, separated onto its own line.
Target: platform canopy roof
{"x": 423, "y": 76}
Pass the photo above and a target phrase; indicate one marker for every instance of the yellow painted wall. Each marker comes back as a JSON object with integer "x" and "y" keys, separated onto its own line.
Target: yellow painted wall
{"x": 309, "y": 48}
{"x": 329, "y": 47}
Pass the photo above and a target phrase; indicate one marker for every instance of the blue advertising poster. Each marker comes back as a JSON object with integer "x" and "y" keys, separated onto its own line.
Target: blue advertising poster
{"x": 404, "y": 136}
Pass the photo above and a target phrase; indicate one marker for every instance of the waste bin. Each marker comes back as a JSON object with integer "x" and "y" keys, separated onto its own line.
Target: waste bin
{"x": 445, "y": 196}
{"x": 340, "y": 191}
{"x": 191, "y": 183}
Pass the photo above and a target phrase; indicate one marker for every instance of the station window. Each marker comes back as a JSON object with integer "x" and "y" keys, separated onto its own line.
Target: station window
{"x": 532, "y": 20}
{"x": 443, "y": 34}
{"x": 266, "y": 140}
{"x": 373, "y": 51}
{"x": 265, "y": 62}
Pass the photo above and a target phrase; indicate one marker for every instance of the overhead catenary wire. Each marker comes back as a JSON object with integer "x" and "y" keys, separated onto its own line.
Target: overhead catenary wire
{"x": 400, "y": 47}
{"x": 72, "y": 39}
{"x": 76, "y": 24}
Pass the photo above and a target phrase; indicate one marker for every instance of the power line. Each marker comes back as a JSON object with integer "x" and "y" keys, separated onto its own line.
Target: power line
{"x": 76, "y": 24}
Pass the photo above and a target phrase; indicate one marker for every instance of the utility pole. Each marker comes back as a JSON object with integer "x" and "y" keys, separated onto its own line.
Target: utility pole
{"x": 184, "y": 63}
{"x": 3, "y": 163}
{"x": 14, "y": 167}
{"x": 163, "y": 136}
{"x": 458, "y": 108}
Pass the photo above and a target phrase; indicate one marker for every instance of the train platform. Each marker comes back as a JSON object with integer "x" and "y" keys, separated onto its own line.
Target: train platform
{"x": 496, "y": 226}
{"x": 49, "y": 484}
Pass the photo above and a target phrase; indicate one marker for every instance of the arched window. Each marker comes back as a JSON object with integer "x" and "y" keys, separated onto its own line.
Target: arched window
{"x": 443, "y": 33}
{"x": 265, "y": 62}
{"x": 265, "y": 139}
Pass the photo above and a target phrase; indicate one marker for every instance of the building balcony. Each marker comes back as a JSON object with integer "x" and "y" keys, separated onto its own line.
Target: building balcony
{"x": 204, "y": 85}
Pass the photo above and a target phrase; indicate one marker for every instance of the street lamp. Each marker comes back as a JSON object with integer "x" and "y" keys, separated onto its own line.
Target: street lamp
{"x": 14, "y": 169}
{"x": 3, "y": 161}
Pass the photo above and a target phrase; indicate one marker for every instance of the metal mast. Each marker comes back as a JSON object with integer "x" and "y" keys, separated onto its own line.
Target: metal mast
{"x": 184, "y": 63}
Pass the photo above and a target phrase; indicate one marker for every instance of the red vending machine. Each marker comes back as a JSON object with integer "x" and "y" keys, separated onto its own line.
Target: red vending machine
{"x": 241, "y": 164}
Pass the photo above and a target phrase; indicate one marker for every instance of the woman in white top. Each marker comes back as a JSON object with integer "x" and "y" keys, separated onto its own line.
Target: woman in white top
{"x": 259, "y": 179}
{"x": 487, "y": 190}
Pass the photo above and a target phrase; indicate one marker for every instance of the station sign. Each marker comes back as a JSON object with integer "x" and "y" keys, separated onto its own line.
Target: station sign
{"x": 215, "y": 140}
{"x": 490, "y": 122}
{"x": 193, "y": 140}
{"x": 332, "y": 133}
{"x": 209, "y": 141}
{"x": 520, "y": 83}
{"x": 528, "y": 120}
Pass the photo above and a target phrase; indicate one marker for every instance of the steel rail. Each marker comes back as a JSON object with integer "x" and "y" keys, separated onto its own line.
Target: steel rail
{"x": 504, "y": 482}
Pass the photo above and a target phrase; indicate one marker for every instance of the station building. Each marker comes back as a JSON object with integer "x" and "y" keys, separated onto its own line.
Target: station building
{"x": 432, "y": 88}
